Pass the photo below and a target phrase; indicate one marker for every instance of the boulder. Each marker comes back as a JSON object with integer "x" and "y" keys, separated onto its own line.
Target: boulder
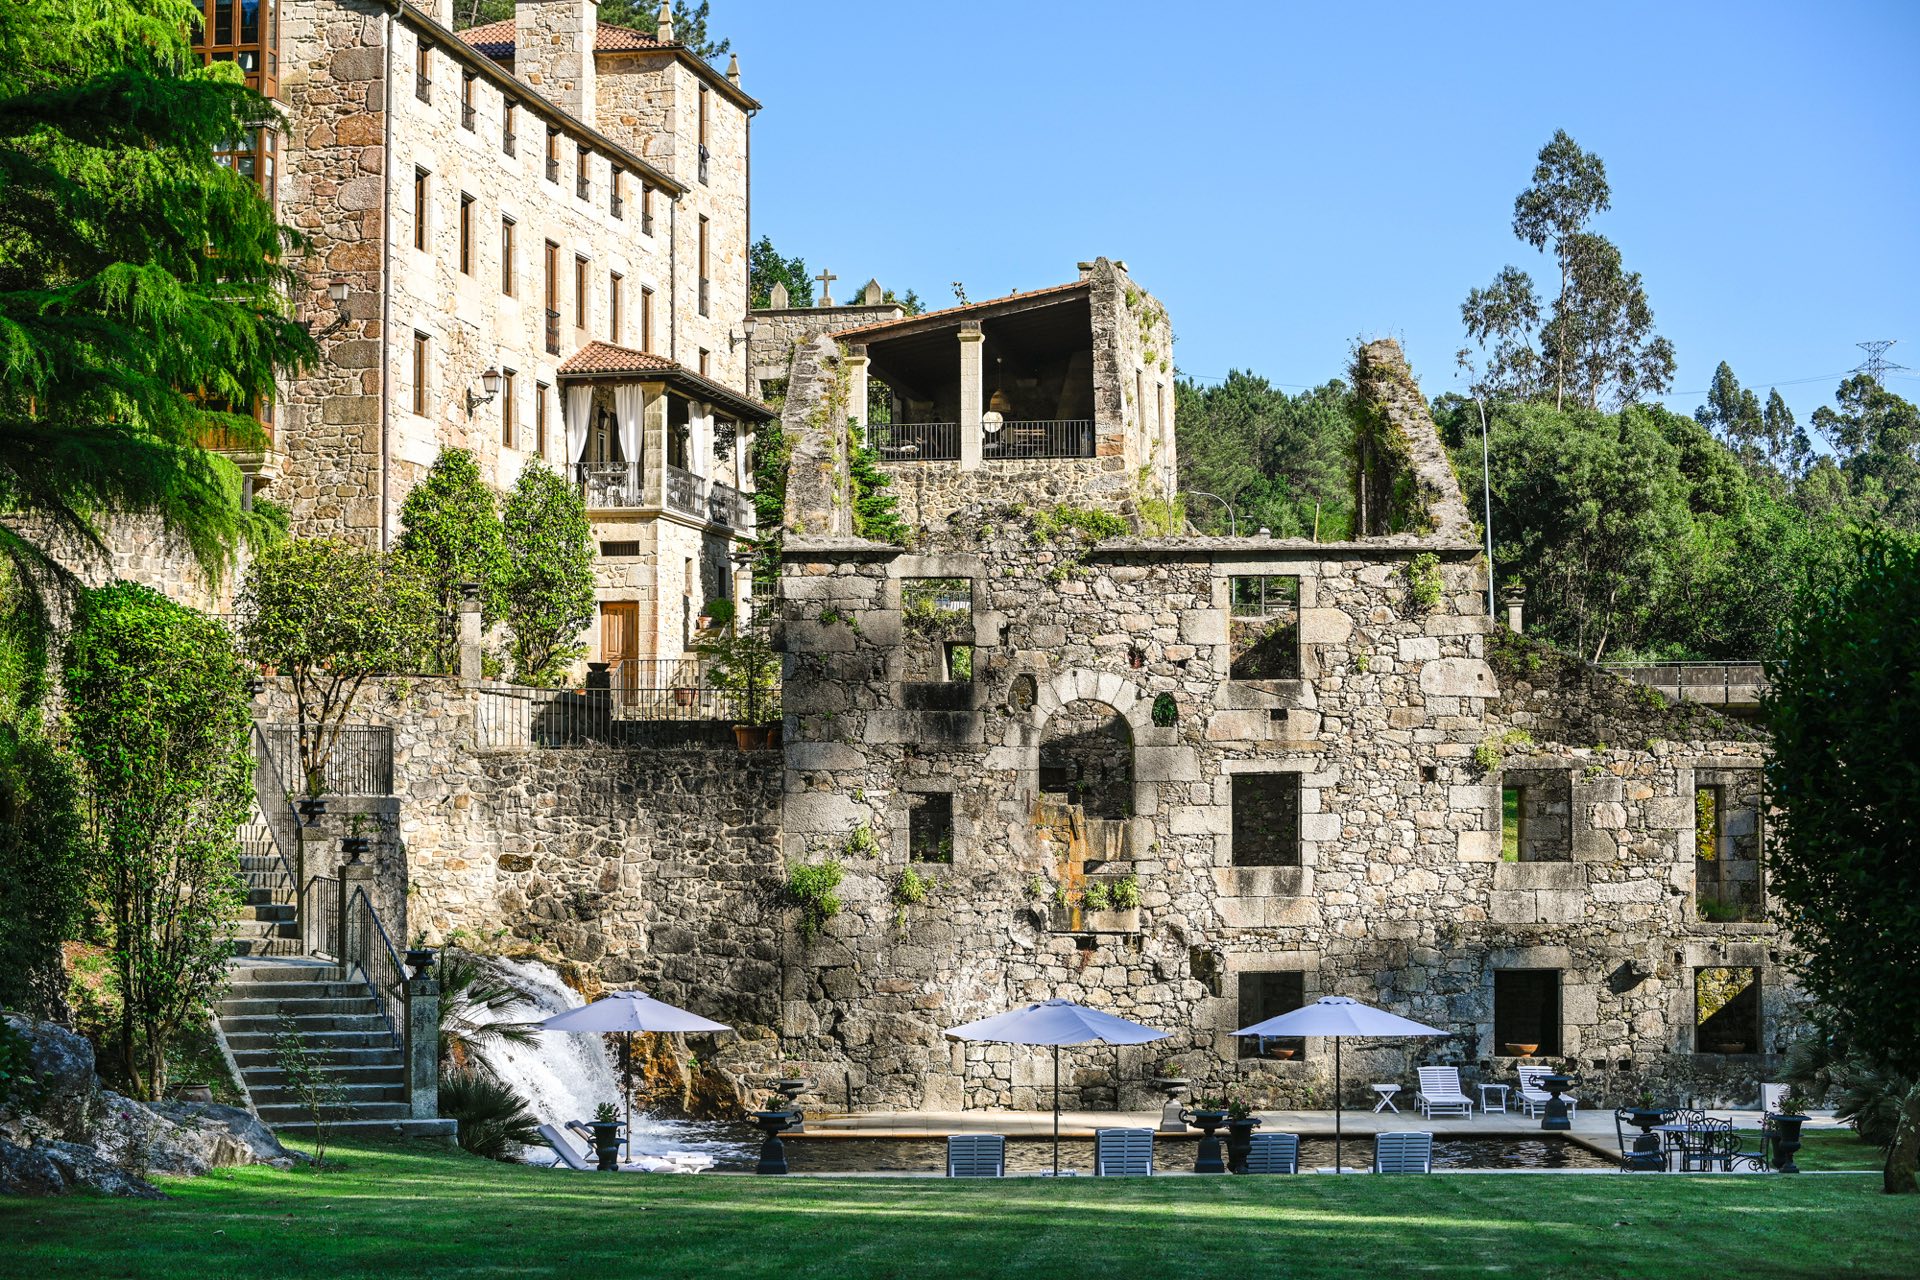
{"x": 83, "y": 1167}
{"x": 62, "y": 1065}
{"x": 234, "y": 1136}
{"x": 28, "y": 1171}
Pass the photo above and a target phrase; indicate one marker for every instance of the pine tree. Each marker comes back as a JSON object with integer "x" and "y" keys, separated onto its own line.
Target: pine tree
{"x": 143, "y": 285}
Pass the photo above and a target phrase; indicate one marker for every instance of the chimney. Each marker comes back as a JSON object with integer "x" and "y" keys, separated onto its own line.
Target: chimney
{"x": 733, "y": 70}
{"x": 665, "y": 34}
{"x": 553, "y": 52}
{"x": 1515, "y": 597}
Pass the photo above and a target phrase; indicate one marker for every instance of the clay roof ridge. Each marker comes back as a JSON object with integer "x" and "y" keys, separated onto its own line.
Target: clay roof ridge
{"x": 1016, "y": 296}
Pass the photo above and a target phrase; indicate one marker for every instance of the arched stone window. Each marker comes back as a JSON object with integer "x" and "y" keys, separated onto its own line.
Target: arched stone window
{"x": 1086, "y": 758}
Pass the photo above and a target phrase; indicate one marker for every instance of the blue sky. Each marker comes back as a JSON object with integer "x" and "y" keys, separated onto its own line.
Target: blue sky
{"x": 1286, "y": 177}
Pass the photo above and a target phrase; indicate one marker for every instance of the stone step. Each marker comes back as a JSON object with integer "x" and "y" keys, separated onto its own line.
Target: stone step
{"x": 275, "y": 1096}
{"x": 258, "y": 1025}
{"x": 291, "y": 1117}
{"x": 372, "y": 1037}
{"x": 368, "y": 1055}
{"x": 378, "y": 1075}
{"x": 271, "y": 945}
{"x": 296, "y": 1007}
{"x": 268, "y": 910}
{"x": 328, "y": 990}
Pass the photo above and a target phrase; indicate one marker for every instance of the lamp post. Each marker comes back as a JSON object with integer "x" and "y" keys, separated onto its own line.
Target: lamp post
{"x": 1233, "y": 527}
{"x": 1486, "y": 498}
{"x": 490, "y": 384}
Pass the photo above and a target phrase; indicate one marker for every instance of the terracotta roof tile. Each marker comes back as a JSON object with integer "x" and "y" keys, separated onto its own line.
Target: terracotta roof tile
{"x": 957, "y": 311}
{"x": 604, "y": 357}
{"x": 495, "y": 39}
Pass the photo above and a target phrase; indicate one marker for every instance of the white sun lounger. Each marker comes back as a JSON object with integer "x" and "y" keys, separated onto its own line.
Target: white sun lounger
{"x": 1408, "y": 1152}
{"x": 1440, "y": 1093}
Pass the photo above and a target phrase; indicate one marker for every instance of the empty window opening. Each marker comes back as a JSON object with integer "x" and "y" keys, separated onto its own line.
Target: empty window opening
{"x": 930, "y": 827}
{"x": 1266, "y": 995}
{"x": 1536, "y": 815}
{"x": 509, "y": 408}
{"x": 1429, "y": 773}
{"x": 612, "y": 549}
{"x": 1266, "y": 820}
{"x": 466, "y": 234}
{"x": 507, "y": 264}
{"x": 937, "y": 616}
{"x": 1086, "y": 758}
{"x": 421, "y": 182}
{"x": 1727, "y": 870}
{"x": 1264, "y": 638}
{"x": 1526, "y": 1013}
{"x": 1726, "y": 1010}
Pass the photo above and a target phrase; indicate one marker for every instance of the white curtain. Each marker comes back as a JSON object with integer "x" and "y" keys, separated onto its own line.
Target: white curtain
{"x": 579, "y": 405}
{"x": 629, "y": 402}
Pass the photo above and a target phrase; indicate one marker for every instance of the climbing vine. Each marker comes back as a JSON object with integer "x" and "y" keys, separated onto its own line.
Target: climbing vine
{"x": 813, "y": 887}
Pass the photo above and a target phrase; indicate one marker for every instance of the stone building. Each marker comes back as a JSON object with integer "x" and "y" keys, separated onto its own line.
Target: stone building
{"x": 528, "y": 240}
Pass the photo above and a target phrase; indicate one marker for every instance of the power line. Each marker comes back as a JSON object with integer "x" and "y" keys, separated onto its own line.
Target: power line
{"x": 1876, "y": 365}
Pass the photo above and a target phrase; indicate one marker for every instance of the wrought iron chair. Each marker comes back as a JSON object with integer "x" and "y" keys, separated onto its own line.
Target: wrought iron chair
{"x": 1675, "y": 1141}
{"x": 1713, "y": 1144}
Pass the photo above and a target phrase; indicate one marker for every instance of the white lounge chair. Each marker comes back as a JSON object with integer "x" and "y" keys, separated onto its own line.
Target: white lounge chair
{"x": 566, "y": 1152}
{"x": 1533, "y": 1099}
{"x": 1410, "y": 1152}
{"x": 1440, "y": 1093}
{"x": 1123, "y": 1153}
{"x": 1273, "y": 1153}
{"x": 976, "y": 1155}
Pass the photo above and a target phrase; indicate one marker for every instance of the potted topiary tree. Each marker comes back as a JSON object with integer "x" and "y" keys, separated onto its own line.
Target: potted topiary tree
{"x": 742, "y": 662}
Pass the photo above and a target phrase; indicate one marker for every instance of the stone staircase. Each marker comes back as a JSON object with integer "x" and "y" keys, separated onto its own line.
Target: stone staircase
{"x": 269, "y": 921}
{"x": 343, "y": 1028}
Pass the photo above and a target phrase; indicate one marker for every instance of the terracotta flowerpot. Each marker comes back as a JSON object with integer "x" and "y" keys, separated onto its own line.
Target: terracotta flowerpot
{"x": 1521, "y": 1050}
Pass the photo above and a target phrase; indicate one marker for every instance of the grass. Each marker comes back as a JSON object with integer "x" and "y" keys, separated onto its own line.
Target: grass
{"x": 416, "y": 1211}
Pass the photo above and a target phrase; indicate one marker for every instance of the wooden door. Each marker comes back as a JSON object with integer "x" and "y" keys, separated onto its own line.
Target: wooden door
{"x": 620, "y": 641}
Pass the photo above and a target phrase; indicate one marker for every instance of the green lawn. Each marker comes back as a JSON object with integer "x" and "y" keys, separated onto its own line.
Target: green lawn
{"x": 414, "y": 1211}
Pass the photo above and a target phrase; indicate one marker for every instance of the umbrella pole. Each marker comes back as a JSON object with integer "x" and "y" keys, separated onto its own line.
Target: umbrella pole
{"x": 1056, "y": 1111}
{"x": 627, "y": 1075}
{"x": 1337, "y": 1167}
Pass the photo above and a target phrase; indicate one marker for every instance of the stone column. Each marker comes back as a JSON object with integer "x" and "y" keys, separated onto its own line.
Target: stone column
{"x": 356, "y": 877}
{"x": 857, "y": 390}
{"x": 1515, "y": 599}
{"x": 470, "y": 635}
{"x": 971, "y": 340}
{"x": 423, "y": 1045}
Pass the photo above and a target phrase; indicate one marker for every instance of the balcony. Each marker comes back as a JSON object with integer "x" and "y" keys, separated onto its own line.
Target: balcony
{"x": 617, "y": 206}
{"x": 728, "y": 506}
{"x": 583, "y": 186}
{"x": 621, "y": 486}
{"x": 686, "y": 492}
{"x": 915, "y": 441}
{"x": 1057, "y": 438}
{"x": 508, "y": 141}
{"x": 615, "y": 485}
{"x": 466, "y": 116}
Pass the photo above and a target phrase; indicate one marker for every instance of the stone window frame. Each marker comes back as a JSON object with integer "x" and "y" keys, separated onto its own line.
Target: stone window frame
{"x": 1524, "y": 767}
{"x": 899, "y": 821}
{"x": 1226, "y": 1014}
{"x": 1234, "y": 780}
{"x": 1273, "y": 882}
{"x": 1558, "y": 1049}
{"x": 892, "y": 601}
{"x": 1687, "y": 781}
{"x": 1308, "y": 571}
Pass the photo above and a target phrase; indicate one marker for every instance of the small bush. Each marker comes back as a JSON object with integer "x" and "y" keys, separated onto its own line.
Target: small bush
{"x": 1166, "y": 712}
{"x": 1124, "y": 893}
{"x": 1424, "y": 586}
{"x": 811, "y": 886}
{"x": 1097, "y": 897}
{"x": 493, "y": 1119}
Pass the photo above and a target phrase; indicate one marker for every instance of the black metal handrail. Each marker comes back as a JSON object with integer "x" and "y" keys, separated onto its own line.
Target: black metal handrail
{"x": 359, "y": 762}
{"x": 518, "y": 717}
{"x": 553, "y": 332}
{"x": 369, "y": 947}
{"x": 1035, "y": 438}
{"x": 915, "y": 441}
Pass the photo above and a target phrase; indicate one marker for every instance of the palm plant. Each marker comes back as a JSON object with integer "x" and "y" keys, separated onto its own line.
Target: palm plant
{"x": 473, "y": 999}
{"x": 492, "y": 1119}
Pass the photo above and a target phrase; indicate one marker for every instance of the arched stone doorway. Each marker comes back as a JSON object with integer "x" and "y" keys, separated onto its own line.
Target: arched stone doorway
{"x": 1086, "y": 758}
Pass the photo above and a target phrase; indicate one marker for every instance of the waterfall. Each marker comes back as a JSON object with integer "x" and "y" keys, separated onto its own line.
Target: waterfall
{"x": 566, "y": 1075}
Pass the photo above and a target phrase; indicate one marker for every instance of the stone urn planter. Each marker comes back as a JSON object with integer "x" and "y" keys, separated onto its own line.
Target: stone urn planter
{"x": 1647, "y": 1155}
{"x": 606, "y": 1144}
{"x": 1240, "y": 1141}
{"x": 1786, "y": 1141}
{"x": 1554, "y": 1115}
{"x": 197, "y": 1092}
{"x": 773, "y": 1152}
{"x": 1207, "y": 1156}
{"x": 1170, "y": 1087}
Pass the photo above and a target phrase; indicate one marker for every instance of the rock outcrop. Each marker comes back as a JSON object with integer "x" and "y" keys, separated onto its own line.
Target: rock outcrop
{"x": 70, "y": 1133}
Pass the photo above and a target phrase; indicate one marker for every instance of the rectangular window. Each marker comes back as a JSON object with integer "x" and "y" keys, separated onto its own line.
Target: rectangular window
{"x": 703, "y": 264}
{"x": 703, "y": 153}
{"x": 466, "y": 101}
{"x": 509, "y": 407}
{"x": 420, "y": 366}
{"x": 582, "y": 181}
{"x": 615, "y": 204}
{"x": 466, "y": 234}
{"x": 508, "y": 113}
{"x": 937, "y": 617}
{"x": 1726, "y": 1010}
{"x": 1265, "y": 628}
{"x": 1266, "y": 820}
{"x": 615, "y": 549}
{"x": 1536, "y": 815}
{"x": 579, "y": 292}
{"x": 646, "y": 318}
{"x": 540, "y": 392}
{"x": 1727, "y": 870}
{"x": 423, "y": 72}
{"x": 1266, "y": 995}
{"x": 706, "y": 359}
{"x": 553, "y": 155}
{"x": 646, "y": 210}
{"x": 1526, "y": 1013}
{"x": 421, "y": 180}
{"x": 509, "y": 268}
{"x": 552, "y": 296}
{"x": 614, "y": 300}
{"x": 930, "y": 827}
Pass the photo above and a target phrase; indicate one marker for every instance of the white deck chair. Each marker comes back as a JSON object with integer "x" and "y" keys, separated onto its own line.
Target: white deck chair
{"x": 1410, "y": 1152}
{"x": 1440, "y": 1093}
{"x": 1273, "y": 1153}
{"x": 1533, "y": 1099}
{"x": 568, "y": 1154}
{"x": 976, "y": 1155}
{"x": 1123, "y": 1153}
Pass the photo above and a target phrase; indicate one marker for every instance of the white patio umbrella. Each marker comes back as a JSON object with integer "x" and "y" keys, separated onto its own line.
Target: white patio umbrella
{"x": 1055, "y": 1022}
{"x": 1339, "y": 1017}
{"x": 628, "y": 1012}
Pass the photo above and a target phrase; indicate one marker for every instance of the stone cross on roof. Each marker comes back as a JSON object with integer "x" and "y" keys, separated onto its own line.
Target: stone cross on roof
{"x": 826, "y": 279}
